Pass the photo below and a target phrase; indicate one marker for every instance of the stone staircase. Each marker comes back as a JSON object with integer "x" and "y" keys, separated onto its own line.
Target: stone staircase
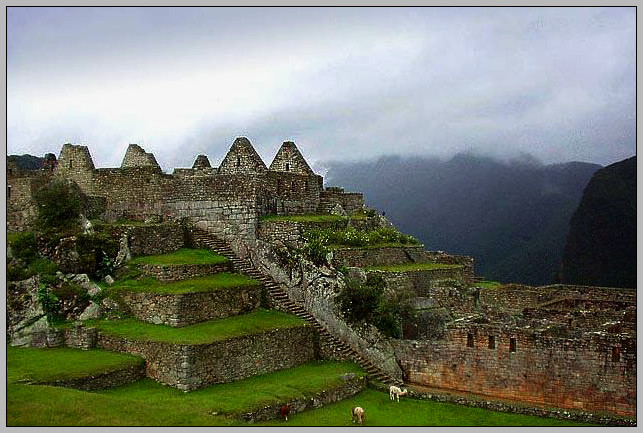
{"x": 279, "y": 297}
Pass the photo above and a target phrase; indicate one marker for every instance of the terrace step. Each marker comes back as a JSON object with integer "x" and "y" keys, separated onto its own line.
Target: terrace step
{"x": 278, "y": 295}
{"x": 217, "y": 351}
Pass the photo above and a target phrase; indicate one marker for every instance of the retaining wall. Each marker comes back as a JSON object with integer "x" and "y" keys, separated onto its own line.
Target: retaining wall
{"x": 189, "y": 308}
{"x": 190, "y": 367}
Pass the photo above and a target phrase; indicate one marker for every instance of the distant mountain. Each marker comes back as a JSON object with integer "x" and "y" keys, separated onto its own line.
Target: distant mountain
{"x": 512, "y": 217}
{"x": 26, "y": 162}
{"x": 601, "y": 246}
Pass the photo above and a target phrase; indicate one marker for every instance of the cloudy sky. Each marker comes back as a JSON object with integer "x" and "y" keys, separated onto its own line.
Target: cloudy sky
{"x": 557, "y": 83}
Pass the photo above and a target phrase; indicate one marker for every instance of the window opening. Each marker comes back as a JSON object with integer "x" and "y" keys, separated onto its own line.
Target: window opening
{"x": 492, "y": 342}
{"x": 616, "y": 354}
{"x": 512, "y": 344}
{"x": 9, "y": 191}
{"x": 469, "y": 340}
{"x": 287, "y": 167}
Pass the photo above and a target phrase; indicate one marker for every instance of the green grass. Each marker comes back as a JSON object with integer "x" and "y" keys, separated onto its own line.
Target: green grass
{"x": 243, "y": 396}
{"x": 201, "y": 333}
{"x": 45, "y": 365}
{"x": 147, "y": 402}
{"x": 412, "y": 267}
{"x": 316, "y": 218}
{"x": 184, "y": 256}
{"x": 206, "y": 283}
{"x": 487, "y": 284}
{"x": 380, "y": 411}
{"x": 368, "y": 247}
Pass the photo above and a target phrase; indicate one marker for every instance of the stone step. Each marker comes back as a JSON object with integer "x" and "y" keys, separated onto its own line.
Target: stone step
{"x": 282, "y": 298}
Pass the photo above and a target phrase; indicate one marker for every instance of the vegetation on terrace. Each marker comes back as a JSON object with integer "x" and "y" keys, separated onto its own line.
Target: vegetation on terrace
{"x": 412, "y": 267}
{"x": 380, "y": 411}
{"x": 315, "y": 218}
{"x": 148, "y": 403}
{"x": 183, "y": 256}
{"x": 368, "y": 303}
{"x": 319, "y": 242}
{"x": 200, "y": 333}
{"x": 26, "y": 364}
{"x": 207, "y": 283}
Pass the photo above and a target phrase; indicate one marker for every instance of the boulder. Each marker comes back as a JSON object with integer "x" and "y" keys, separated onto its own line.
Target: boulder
{"x": 93, "y": 311}
{"x": 83, "y": 281}
{"x": 338, "y": 210}
{"x": 86, "y": 225}
{"x": 124, "y": 253}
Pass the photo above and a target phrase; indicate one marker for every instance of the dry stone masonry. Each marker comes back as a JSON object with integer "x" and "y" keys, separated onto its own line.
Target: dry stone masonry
{"x": 566, "y": 347}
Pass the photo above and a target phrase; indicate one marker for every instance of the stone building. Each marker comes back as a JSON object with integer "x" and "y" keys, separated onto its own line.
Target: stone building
{"x": 227, "y": 200}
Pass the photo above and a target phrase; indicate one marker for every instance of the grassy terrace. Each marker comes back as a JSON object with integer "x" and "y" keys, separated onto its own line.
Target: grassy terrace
{"x": 412, "y": 267}
{"x": 380, "y": 411}
{"x": 367, "y": 247}
{"x": 201, "y": 333}
{"x": 45, "y": 365}
{"x": 316, "y": 218}
{"x": 208, "y": 283}
{"x": 184, "y": 256}
{"x": 146, "y": 402}
{"x": 488, "y": 284}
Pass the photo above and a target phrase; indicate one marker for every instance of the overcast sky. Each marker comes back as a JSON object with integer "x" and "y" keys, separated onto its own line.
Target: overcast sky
{"x": 558, "y": 83}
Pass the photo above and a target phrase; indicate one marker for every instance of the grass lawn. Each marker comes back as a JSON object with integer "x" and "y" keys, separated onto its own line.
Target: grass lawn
{"x": 184, "y": 256}
{"x": 315, "y": 218}
{"x": 206, "y": 283}
{"x": 44, "y": 365}
{"x": 147, "y": 402}
{"x": 200, "y": 333}
{"x": 412, "y": 267}
{"x": 380, "y": 411}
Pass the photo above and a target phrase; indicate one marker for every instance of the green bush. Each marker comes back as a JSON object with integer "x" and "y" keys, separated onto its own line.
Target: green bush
{"x": 24, "y": 246}
{"x": 50, "y": 304}
{"x": 368, "y": 303}
{"x": 359, "y": 302}
{"x": 59, "y": 205}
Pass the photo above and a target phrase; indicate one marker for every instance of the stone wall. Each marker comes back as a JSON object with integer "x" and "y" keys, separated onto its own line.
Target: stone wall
{"x": 150, "y": 239}
{"x": 419, "y": 282}
{"x": 291, "y": 232}
{"x": 315, "y": 289}
{"x": 582, "y": 374}
{"x": 21, "y": 208}
{"x": 183, "y": 272}
{"x": 384, "y": 256}
{"x": 352, "y": 385}
{"x": 190, "y": 308}
{"x": 516, "y": 297}
{"x": 190, "y": 367}
{"x": 422, "y": 256}
{"x": 102, "y": 380}
{"x": 351, "y": 202}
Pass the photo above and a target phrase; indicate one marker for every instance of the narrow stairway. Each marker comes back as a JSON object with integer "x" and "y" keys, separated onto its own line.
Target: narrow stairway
{"x": 279, "y": 296}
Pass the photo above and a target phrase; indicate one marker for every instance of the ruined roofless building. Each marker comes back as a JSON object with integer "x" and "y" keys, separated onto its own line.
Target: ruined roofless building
{"x": 227, "y": 200}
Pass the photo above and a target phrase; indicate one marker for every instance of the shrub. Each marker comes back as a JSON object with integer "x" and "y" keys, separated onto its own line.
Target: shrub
{"x": 50, "y": 304}
{"x": 24, "y": 246}
{"x": 359, "y": 302}
{"x": 59, "y": 205}
{"x": 367, "y": 303}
